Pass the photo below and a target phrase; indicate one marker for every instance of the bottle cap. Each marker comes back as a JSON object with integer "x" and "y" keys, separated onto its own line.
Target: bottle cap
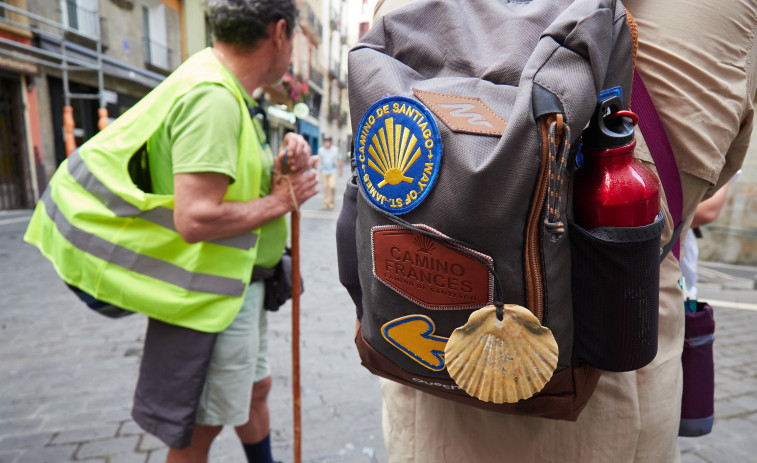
{"x": 611, "y": 126}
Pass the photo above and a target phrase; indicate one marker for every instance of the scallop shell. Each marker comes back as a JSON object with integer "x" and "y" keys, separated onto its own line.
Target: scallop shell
{"x": 501, "y": 361}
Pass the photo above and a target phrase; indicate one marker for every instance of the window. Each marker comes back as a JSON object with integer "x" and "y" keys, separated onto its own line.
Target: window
{"x": 81, "y": 15}
{"x": 154, "y": 22}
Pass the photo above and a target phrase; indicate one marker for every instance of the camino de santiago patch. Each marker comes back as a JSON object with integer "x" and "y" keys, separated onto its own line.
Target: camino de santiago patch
{"x": 398, "y": 154}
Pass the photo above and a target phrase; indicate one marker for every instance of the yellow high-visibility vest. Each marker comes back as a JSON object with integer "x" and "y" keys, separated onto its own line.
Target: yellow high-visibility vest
{"x": 118, "y": 243}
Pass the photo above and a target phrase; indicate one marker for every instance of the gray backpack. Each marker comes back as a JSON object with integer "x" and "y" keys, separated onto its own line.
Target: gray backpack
{"x": 466, "y": 118}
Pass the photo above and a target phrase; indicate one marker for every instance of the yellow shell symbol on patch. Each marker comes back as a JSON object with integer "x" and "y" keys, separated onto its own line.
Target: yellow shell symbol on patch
{"x": 392, "y": 153}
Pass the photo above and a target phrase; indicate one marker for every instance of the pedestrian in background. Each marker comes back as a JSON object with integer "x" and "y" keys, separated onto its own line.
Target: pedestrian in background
{"x": 703, "y": 86}
{"x": 186, "y": 198}
{"x": 329, "y": 164}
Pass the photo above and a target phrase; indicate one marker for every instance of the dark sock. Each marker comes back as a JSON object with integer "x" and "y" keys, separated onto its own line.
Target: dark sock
{"x": 260, "y": 452}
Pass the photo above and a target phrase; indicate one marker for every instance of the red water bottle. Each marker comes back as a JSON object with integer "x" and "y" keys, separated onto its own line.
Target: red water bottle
{"x": 612, "y": 188}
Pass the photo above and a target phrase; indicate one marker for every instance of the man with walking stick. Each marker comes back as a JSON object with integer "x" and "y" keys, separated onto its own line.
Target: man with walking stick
{"x": 166, "y": 212}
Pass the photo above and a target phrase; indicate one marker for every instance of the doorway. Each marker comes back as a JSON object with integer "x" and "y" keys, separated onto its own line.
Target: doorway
{"x": 14, "y": 193}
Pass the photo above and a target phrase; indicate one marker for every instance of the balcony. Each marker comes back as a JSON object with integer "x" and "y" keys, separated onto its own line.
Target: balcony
{"x": 334, "y": 69}
{"x": 316, "y": 77}
{"x": 311, "y": 24}
{"x": 82, "y": 19}
{"x": 336, "y": 115}
{"x": 314, "y": 103}
{"x": 156, "y": 54}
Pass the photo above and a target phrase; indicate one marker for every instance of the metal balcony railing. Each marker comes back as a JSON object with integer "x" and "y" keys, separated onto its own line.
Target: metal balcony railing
{"x": 316, "y": 77}
{"x": 84, "y": 20}
{"x": 156, "y": 54}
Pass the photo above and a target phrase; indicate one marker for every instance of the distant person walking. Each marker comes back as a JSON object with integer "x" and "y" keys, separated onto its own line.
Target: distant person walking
{"x": 329, "y": 164}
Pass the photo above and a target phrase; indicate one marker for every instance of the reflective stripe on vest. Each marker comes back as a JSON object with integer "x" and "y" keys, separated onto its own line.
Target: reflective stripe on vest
{"x": 161, "y": 216}
{"x": 140, "y": 263}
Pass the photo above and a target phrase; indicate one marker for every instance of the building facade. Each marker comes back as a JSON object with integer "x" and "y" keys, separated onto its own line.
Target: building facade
{"x": 74, "y": 59}
{"x": 63, "y": 61}
{"x": 336, "y": 46}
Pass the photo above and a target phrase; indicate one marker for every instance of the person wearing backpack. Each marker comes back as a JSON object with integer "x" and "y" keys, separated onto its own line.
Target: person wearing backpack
{"x": 703, "y": 86}
{"x": 167, "y": 210}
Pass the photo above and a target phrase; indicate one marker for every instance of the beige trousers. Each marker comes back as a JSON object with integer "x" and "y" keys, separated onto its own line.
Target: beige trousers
{"x": 328, "y": 182}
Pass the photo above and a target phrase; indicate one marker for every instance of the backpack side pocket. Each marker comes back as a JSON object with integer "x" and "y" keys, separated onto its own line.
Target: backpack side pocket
{"x": 615, "y": 287}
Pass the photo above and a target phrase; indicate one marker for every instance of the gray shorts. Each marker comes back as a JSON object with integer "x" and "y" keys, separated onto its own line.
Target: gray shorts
{"x": 240, "y": 358}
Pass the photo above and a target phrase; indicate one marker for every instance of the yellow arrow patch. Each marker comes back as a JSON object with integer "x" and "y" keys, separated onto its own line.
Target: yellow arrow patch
{"x": 414, "y": 335}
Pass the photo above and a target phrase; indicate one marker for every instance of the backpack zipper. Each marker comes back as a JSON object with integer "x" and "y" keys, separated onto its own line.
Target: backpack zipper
{"x": 533, "y": 262}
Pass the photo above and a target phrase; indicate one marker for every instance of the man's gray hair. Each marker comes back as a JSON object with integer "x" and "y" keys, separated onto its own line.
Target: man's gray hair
{"x": 244, "y": 22}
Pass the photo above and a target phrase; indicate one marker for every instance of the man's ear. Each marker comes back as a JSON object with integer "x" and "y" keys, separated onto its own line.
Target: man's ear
{"x": 280, "y": 31}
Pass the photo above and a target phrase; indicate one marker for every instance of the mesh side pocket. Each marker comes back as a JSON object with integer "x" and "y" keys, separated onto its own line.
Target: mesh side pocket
{"x": 615, "y": 275}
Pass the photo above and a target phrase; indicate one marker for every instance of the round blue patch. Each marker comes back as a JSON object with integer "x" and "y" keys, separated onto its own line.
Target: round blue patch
{"x": 398, "y": 151}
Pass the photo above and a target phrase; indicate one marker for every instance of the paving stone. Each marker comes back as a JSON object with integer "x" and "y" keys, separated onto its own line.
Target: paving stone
{"x": 17, "y": 409}
{"x": 82, "y": 435}
{"x": 25, "y": 441}
{"x": 130, "y": 428}
{"x": 157, "y": 456}
{"x": 54, "y": 454}
{"x": 728, "y": 408}
{"x": 9, "y": 456}
{"x": 107, "y": 447}
{"x": 79, "y": 420}
{"x": 718, "y": 453}
{"x": 148, "y": 442}
{"x": 130, "y": 457}
{"x": 739, "y": 429}
{"x": 686, "y": 444}
{"x": 692, "y": 458}
{"x": 733, "y": 389}
{"x": 15, "y": 426}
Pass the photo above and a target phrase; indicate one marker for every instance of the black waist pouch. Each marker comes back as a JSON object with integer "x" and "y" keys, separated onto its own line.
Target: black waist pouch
{"x": 615, "y": 285}
{"x": 278, "y": 282}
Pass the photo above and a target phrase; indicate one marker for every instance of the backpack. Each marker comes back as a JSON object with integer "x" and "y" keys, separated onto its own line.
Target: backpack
{"x": 466, "y": 118}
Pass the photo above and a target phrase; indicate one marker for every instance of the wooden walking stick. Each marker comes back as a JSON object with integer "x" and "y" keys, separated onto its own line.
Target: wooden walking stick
{"x": 296, "y": 289}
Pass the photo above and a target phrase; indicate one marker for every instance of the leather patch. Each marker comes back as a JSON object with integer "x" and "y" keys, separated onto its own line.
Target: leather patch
{"x": 465, "y": 114}
{"x": 429, "y": 273}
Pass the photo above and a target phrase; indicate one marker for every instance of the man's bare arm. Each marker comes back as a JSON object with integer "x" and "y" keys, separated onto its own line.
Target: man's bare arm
{"x": 201, "y": 214}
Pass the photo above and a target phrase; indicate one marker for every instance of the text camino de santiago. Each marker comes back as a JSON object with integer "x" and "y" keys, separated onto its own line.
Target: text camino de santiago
{"x": 419, "y": 119}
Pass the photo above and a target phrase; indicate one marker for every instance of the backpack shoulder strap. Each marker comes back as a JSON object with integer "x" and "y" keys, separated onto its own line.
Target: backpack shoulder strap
{"x": 662, "y": 153}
